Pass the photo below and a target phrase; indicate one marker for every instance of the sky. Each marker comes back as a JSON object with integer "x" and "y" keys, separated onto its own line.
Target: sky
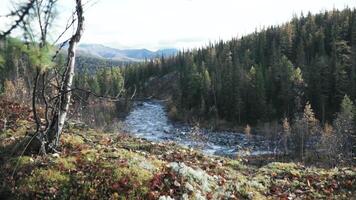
{"x": 158, "y": 24}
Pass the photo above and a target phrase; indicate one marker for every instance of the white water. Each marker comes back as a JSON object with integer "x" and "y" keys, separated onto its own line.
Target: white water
{"x": 149, "y": 120}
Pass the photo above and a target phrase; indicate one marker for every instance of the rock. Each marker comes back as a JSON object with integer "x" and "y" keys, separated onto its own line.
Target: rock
{"x": 197, "y": 178}
{"x": 165, "y": 198}
{"x": 185, "y": 196}
{"x": 55, "y": 155}
{"x": 176, "y": 183}
{"x": 198, "y": 196}
{"x": 189, "y": 187}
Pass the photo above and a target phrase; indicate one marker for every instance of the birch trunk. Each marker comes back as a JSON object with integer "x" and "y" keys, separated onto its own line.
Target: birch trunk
{"x": 67, "y": 79}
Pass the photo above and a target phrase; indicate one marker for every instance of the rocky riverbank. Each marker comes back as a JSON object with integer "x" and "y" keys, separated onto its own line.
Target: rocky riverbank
{"x": 96, "y": 165}
{"x": 149, "y": 120}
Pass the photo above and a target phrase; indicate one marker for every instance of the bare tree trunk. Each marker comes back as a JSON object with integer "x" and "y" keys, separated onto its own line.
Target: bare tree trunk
{"x": 68, "y": 75}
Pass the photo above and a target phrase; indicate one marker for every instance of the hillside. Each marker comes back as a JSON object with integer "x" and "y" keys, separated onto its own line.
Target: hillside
{"x": 94, "y": 165}
{"x": 266, "y": 75}
{"x": 124, "y": 55}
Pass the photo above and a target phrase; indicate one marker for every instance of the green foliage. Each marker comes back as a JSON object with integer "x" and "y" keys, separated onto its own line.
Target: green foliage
{"x": 94, "y": 85}
{"x": 297, "y": 75}
{"x": 40, "y": 57}
{"x": 67, "y": 163}
{"x": 266, "y": 75}
{"x": 109, "y": 81}
{"x": 43, "y": 182}
{"x": 345, "y": 136}
{"x": 347, "y": 107}
{"x": 2, "y": 62}
{"x": 305, "y": 126}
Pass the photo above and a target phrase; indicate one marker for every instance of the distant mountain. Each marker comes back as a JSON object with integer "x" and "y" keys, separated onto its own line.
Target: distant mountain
{"x": 126, "y": 55}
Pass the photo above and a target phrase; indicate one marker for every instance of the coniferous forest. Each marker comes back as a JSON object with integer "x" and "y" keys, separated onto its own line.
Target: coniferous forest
{"x": 267, "y": 75}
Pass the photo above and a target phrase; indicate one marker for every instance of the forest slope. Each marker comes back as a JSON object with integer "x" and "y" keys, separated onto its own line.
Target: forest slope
{"x": 266, "y": 75}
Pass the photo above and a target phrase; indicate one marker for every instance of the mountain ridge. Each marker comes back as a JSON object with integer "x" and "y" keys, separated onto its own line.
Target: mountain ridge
{"x": 127, "y": 55}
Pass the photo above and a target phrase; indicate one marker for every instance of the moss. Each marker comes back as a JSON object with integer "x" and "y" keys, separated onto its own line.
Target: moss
{"x": 122, "y": 167}
{"x": 126, "y": 154}
{"x": 43, "y": 182}
{"x": 7, "y": 133}
{"x": 21, "y": 130}
{"x": 260, "y": 183}
{"x": 157, "y": 163}
{"x": 94, "y": 133}
{"x": 243, "y": 193}
{"x": 279, "y": 167}
{"x": 136, "y": 173}
{"x": 297, "y": 184}
{"x": 21, "y": 161}
{"x": 67, "y": 163}
{"x": 134, "y": 145}
{"x": 50, "y": 176}
{"x": 234, "y": 164}
{"x": 133, "y": 178}
{"x": 72, "y": 140}
{"x": 10, "y": 137}
{"x": 295, "y": 173}
{"x": 90, "y": 155}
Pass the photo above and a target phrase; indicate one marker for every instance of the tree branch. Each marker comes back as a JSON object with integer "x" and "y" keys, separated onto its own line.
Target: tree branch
{"x": 23, "y": 12}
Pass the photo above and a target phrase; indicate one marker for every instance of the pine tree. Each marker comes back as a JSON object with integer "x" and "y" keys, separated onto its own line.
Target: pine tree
{"x": 344, "y": 129}
{"x": 286, "y": 134}
{"x": 310, "y": 58}
{"x": 117, "y": 82}
{"x": 353, "y": 55}
{"x": 304, "y": 127}
{"x": 342, "y": 69}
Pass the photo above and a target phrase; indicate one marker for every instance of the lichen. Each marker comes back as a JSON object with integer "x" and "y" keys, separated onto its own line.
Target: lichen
{"x": 196, "y": 177}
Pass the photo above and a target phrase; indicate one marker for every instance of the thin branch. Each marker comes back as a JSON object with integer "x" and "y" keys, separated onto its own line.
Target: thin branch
{"x": 24, "y": 11}
{"x": 65, "y": 30}
{"x": 48, "y": 16}
{"x": 34, "y": 108}
{"x": 133, "y": 95}
{"x": 39, "y": 16}
{"x": 45, "y": 99}
{"x": 22, "y": 153}
{"x": 59, "y": 49}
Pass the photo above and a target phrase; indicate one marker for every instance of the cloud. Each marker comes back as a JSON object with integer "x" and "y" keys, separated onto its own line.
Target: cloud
{"x": 158, "y": 24}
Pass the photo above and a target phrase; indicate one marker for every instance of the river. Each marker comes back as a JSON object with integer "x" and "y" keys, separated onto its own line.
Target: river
{"x": 149, "y": 120}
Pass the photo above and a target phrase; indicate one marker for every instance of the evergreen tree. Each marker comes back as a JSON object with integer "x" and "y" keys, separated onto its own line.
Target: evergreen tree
{"x": 304, "y": 127}
{"x": 310, "y": 58}
{"x": 344, "y": 129}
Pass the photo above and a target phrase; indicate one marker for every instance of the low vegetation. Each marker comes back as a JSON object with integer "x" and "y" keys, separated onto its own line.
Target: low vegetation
{"x": 98, "y": 165}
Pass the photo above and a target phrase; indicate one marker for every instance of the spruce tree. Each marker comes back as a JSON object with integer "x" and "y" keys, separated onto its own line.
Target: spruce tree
{"x": 344, "y": 129}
